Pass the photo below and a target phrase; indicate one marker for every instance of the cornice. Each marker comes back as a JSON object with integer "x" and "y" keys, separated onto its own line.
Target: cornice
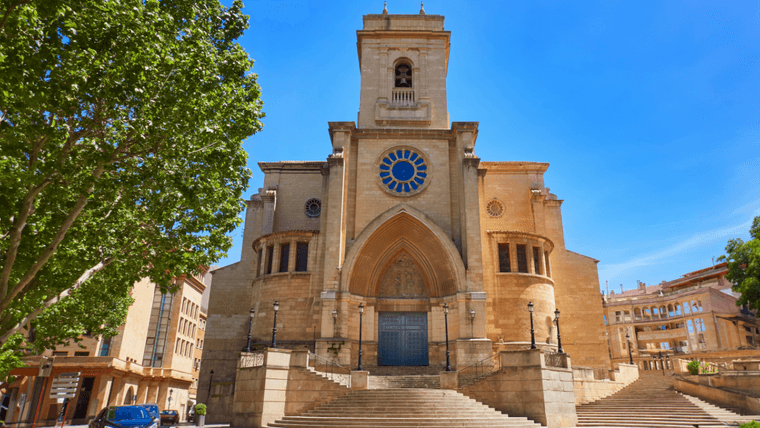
{"x": 283, "y": 234}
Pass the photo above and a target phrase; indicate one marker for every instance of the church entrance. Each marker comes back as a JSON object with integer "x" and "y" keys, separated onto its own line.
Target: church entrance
{"x": 402, "y": 339}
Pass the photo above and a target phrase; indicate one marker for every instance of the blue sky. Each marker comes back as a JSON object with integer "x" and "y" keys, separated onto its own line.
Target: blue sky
{"x": 648, "y": 112}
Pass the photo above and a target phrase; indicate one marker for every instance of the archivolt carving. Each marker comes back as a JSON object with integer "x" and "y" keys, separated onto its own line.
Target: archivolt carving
{"x": 403, "y": 230}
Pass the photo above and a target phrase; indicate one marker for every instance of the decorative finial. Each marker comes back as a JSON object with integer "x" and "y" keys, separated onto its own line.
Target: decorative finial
{"x": 385, "y": 8}
{"x": 422, "y": 8}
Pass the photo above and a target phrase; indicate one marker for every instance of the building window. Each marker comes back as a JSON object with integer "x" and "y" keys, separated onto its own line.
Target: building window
{"x": 522, "y": 258}
{"x": 284, "y": 256}
{"x": 537, "y": 260}
{"x": 81, "y": 354}
{"x": 302, "y": 256}
{"x": 158, "y": 329}
{"x": 60, "y": 354}
{"x": 270, "y": 254}
{"x": 313, "y": 208}
{"x": 495, "y": 208}
{"x": 105, "y": 347}
{"x": 617, "y": 316}
{"x": 504, "y": 262}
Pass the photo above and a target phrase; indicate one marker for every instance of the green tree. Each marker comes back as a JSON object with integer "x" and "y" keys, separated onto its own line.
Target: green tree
{"x": 121, "y": 129}
{"x": 744, "y": 266}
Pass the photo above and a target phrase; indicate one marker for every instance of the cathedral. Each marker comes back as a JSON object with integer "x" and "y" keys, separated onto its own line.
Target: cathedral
{"x": 402, "y": 218}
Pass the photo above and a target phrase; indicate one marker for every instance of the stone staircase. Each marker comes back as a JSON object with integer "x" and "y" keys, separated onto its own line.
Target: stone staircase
{"x": 403, "y": 408}
{"x": 651, "y": 401}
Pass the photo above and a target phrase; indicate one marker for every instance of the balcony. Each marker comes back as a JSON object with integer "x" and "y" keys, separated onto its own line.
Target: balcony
{"x": 402, "y": 97}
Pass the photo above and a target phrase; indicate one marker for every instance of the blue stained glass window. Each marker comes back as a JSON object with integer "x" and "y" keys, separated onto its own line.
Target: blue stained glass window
{"x": 403, "y": 171}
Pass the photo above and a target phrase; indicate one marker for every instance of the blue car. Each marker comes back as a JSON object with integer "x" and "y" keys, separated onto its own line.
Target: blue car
{"x": 152, "y": 411}
{"x": 123, "y": 417}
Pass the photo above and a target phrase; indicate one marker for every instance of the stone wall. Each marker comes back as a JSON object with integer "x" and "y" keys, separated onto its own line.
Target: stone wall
{"x": 725, "y": 398}
{"x": 589, "y": 389}
{"x": 526, "y": 386}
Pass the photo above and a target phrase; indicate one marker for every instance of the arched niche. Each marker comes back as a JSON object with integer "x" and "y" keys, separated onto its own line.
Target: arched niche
{"x": 403, "y": 230}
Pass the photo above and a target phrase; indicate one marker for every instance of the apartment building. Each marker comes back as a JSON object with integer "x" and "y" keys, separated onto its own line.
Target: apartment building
{"x": 153, "y": 359}
{"x": 695, "y": 314}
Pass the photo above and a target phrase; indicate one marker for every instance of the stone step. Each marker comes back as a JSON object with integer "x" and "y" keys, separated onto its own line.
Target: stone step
{"x": 402, "y": 408}
{"x": 651, "y": 401}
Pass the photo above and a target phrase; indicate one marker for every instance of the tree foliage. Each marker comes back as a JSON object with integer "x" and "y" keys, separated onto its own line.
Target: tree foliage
{"x": 744, "y": 266}
{"x": 121, "y": 128}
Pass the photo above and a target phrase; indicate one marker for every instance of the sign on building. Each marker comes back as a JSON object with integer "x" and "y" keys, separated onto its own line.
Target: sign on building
{"x": 65, "y": 385}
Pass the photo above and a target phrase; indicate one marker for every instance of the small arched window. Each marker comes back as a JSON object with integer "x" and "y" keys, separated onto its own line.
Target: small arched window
{"x": 403, "y": 74}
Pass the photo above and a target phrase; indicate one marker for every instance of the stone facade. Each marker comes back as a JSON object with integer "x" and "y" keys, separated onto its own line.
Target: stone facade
{"x": 403, "y": 218}
{"x": 693, "y": 317}
{"x": 141, "y": 364}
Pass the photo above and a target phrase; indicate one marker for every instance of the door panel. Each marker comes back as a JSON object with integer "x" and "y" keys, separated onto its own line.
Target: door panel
{"x": 402, "y": 339}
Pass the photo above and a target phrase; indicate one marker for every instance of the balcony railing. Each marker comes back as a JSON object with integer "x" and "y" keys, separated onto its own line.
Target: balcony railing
{"x": 403, "y": 97}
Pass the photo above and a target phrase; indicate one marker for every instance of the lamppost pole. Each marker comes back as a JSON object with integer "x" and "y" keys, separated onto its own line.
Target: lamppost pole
{"x": 630, "y": 355}
{"x": 559, "y": 339}
{"x": 532, "y": 332}
{"x": 250, "y": 321}
{"x": 446, "y": 323}
{"x": 361, "y": 316}
{"x": 274, "y": 328}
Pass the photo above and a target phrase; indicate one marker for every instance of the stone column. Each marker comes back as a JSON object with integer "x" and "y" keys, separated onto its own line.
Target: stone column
{"x": 335, "y": 227}
{"x": 270, "y": 204}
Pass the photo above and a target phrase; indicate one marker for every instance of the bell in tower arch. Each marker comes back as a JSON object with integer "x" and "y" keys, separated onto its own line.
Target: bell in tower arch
{"x": 403, "y": 76}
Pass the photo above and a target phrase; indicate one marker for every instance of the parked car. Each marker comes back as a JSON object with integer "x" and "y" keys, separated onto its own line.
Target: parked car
{"x": 191, "y": 414}
{"x": 153, "y": 411}
{"x": 123, "y": 416}
{"x": 169, "y": 417}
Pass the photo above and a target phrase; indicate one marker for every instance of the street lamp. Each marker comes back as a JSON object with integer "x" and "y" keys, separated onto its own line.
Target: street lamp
{"x": 210, "y": 379}
{"x": 274, "y": 328}
{"x": 335, "y": 320}
{"x": 532, "y": 332}
{"x": 630, "y": 355}
{"x": 662, "y": 362}
{"x": 170, "y": 398}
{"x": 559, "y": 339}
{"x": 361, "y": 315}
{"x": 250, "y": 321}
{"x": 446, "y": 323}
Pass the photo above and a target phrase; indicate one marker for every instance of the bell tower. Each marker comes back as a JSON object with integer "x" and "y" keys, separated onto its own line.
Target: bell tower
{"x": 403, "y": 60}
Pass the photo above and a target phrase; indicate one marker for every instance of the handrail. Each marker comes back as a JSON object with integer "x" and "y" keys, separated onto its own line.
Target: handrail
{"x": 466, "y": 376}
{"x": 332, "y": 368}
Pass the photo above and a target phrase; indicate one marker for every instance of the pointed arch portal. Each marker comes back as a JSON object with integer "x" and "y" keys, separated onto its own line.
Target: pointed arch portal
{"x": 406, "y": 235}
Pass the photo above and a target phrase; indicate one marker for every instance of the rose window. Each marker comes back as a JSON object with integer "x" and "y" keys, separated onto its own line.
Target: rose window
{"x": 313, "y": 207}
{"x": 495, "y": 208}
{"x": 403, "y": 172}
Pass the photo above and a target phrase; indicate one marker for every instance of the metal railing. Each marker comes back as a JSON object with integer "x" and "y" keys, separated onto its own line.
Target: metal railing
{"x": 555, "y": 359}
{"x": 479, "y": 370}
{"x": 251, "y": 359}
{"x": 330, "y": 369}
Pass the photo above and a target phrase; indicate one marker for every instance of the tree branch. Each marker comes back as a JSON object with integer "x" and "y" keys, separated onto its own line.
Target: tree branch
{"x": 8, "y": 12}
{"x": 62, "y": 295}
{"x": 15, "y": 236}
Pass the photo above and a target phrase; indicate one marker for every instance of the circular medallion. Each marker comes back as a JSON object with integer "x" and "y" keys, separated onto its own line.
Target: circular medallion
{"x": 403, "y": 171}
{"x": 313, "y": 207}
{"x": 495, "y": 208}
